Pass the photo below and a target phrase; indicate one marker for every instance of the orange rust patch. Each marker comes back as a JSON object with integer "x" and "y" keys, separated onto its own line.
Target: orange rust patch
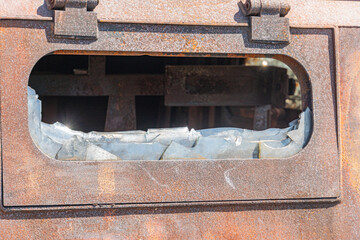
{"x": 350, "y": 120}
{"x": 106, "y": 181}
{"x": 155, "y": 230}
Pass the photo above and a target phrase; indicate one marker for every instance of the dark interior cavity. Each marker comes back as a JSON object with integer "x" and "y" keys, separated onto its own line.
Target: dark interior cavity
{"x": 120, "y": 93}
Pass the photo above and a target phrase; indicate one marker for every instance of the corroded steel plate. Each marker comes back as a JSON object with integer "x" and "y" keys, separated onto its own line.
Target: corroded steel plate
{"x": 30, "y": 179}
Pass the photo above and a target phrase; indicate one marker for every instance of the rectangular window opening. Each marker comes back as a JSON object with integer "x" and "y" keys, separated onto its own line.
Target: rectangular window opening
{"x": 166, "y": 108}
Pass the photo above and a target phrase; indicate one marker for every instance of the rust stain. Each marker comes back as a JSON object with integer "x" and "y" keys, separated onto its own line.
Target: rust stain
{"x": 265, "y": 221}
{"x": 350, "y": 113}
{"x": 155, "y": 230}
{"x": 106, "y": 181}
{"x": 191, "y": 44}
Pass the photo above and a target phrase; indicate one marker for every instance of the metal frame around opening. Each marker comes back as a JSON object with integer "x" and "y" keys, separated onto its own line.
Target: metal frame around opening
{"x": 30, "y": 180}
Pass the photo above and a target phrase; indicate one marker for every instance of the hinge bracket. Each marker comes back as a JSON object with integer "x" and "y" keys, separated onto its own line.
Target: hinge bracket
{"x": 74, "y": 18}
{"x": 267, "y": 20}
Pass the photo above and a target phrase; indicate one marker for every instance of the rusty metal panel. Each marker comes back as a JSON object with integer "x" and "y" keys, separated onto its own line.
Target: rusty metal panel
{"x": 74, "y": 19}
{"x": 270, "y": 30}
{"x": 225, "y": 86}
{"x": 267, "y": 20}
{"x": 75, "y": 25}
{"x": 274, "y": 220}
{"x": 31, "y": 179}
{"x": 216, "y": 12}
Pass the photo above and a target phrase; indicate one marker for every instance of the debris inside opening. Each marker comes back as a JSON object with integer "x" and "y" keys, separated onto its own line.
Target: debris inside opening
{"x": 223, "y": 97}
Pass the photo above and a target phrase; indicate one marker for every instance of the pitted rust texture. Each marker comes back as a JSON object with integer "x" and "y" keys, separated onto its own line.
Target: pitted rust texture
{"x": 207, "y": 181}
{"x": 74, "y": 18}
{"x": 258, "y": 7}
{"x": 61, "y": 4}
{"x": 228, "y": 86}
{"x": 267, "y": 20}
{"x": 216, "y": 13}
{"x": 257, "y": 221}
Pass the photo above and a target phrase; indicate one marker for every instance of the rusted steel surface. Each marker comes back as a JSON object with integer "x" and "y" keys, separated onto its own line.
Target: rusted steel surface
{"x": 314, "y": 172}
{"x": 261, "y": 117}
{"x": 267, "y": 20}
{"x": 74, "y": 19}
{"x": 225, "y": 86}
{"x": 46, "y": 188}
{"x": 216, "y": 12}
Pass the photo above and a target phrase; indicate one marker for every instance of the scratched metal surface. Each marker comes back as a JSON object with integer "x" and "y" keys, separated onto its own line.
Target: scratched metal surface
{"x": 340, "y": 220}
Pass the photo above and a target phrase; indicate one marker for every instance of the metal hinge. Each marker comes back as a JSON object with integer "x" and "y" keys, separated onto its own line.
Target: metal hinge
{"x": 74, "y": 18}
{"x": 267, "y": 19}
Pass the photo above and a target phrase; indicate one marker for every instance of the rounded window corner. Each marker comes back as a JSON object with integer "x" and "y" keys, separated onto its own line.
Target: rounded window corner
{"x": 194, "y": 85}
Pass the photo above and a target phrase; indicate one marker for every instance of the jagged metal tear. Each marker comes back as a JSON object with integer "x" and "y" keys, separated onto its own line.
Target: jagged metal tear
{"x": 59, "y": 142}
